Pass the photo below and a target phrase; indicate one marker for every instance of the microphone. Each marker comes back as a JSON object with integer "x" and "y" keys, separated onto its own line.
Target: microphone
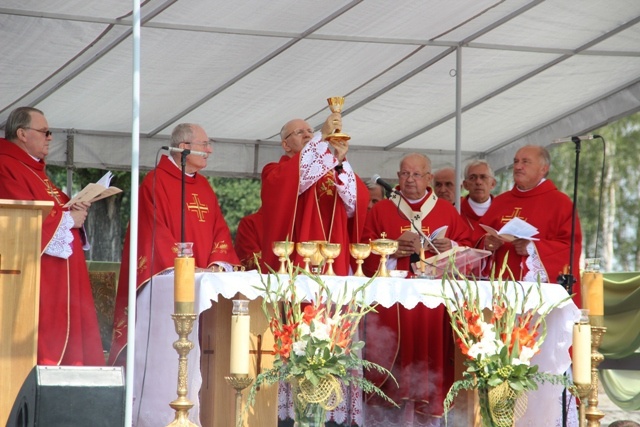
{"x": 575, "y": 138}
{"x": 186, "y": 151}
{"x": 376, "y": 178}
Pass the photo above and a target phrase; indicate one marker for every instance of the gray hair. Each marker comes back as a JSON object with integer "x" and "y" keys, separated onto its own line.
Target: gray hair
{"x": 423, "y": 156}
{"x": 19, "y": 118}
{"x": 182, "y": 133}
{"x": 478, "y": 162}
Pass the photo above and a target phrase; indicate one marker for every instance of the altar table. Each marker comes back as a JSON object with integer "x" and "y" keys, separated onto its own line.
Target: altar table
{"x": 156, "y": 362}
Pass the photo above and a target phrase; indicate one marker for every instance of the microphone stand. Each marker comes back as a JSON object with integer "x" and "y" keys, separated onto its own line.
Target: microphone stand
{"x": 183, "y": 163}
{"x": 567, "y": 280}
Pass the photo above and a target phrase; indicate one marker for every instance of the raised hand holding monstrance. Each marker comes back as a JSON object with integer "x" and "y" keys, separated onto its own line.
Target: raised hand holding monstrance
{"x": 337, "y": 137}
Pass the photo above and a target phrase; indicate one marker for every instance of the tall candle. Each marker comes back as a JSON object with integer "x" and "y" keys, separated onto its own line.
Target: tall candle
{"x": 582, "y": 351}
{"x": 593, "y": 288}
{"x": 184, "y": 283}
{"x": 240, "y": 338}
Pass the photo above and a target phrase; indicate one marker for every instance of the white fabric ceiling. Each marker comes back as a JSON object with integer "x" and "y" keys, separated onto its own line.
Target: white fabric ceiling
{"x": 530, "y": 72}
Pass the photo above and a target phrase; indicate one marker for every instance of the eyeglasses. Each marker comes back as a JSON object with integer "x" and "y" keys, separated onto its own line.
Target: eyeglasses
{"x": 482, "y": 177}
{"x": 300, "y": 132}
{"x": 47, "y": 133}
{"x": 207, "y": 144}
{"x": 414, "y": 175}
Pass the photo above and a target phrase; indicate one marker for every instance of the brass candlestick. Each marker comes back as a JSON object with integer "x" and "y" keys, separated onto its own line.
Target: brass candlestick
{"x": 593, "y": 414}
{"x": 582, "y": 391}
{"x": 184, "y": 326}
{"x": 239, "y": 383}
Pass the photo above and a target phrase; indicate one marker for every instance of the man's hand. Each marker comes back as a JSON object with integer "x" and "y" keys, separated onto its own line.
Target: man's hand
{"x": 408, "y": 243}
{"x": 442, "y": 244}
{"x": 492, "y": 243}
{"x": 520, "y": 245}
{"x": 79, "y": 212}
{"x": 332, "y": 124}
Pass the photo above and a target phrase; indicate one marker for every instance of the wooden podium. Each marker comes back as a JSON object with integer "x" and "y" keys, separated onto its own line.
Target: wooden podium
{"x": 21, "y": 230}
{"x": 217, "y": 397}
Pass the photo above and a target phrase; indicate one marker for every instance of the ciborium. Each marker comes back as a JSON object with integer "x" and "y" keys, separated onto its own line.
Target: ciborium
{"x": 282, "y": 249}
{"x": 317, "y": 259}
{"x": 330, "y": 252}
{"x": 306, "y": 250}
{"x": 335, "y": 105}
{"x": 359, "y": 251}
{"x": 383, "y": 247}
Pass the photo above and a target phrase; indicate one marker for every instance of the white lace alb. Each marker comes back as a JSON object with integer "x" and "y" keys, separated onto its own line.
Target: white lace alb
{"x": 60, "y": 244}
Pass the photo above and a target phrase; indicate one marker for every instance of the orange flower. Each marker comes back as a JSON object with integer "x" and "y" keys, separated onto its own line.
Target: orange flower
{"x": 310, "y": 312}
{"x": 498, "y": 312}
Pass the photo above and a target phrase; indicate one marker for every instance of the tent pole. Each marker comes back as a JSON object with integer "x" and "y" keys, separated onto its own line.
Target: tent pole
{"x": 458, "y": 158}
{"x": 133, "y": 222}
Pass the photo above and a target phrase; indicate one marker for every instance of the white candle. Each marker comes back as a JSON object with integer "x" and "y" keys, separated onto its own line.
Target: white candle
{"x": 240, "y": 339}
{"x": 582, "y": 353}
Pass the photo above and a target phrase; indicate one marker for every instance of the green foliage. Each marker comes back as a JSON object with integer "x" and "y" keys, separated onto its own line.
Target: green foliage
{"x": 238, "y": 197}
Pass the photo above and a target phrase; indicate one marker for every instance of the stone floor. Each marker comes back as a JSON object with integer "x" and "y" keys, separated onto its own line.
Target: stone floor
{"x": 612, "y": 412}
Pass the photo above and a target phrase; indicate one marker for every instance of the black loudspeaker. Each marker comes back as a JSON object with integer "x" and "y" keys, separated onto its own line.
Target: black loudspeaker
{"x": 70, "y": 396}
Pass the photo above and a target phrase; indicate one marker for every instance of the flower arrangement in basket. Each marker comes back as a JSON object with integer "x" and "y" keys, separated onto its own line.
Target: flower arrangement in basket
{"x": 314, "y": 343}
{"x": 499, "y": 348}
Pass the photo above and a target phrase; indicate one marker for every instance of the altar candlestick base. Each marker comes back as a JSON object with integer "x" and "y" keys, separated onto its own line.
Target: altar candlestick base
{"x": 239, "y": 383}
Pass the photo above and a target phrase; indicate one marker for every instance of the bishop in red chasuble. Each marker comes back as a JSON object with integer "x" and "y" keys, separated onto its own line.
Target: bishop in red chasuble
{"x": 311, "y": 194}
{"x": 415, "y": 345}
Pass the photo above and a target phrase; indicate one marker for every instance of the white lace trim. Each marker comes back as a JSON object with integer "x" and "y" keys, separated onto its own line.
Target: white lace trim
{"x": 315, "y": 161}
{"x": 349, "y": 412}
{"x": 347, "y": 190}
{"x": 535, "y": 269}
{"x": 60, "y": 244}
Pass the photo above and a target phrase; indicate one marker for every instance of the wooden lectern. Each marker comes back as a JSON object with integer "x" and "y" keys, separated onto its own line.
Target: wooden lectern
{"x": 21, "y": 230}
{"x": 217, "y": 397}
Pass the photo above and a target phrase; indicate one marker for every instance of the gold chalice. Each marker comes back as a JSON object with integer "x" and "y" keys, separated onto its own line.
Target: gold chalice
{"x": 360, "y": 251}
{"x": 330, "y": 251}
{"x": 335, "y": 105}
{"x": 317, "y": 259}
{"x": 384, "y": 247}
{"x": 306, "y": 250}
{"x": 282, "y": 250}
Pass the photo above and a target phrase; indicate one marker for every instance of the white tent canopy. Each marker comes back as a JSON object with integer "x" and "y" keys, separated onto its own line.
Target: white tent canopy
{"x": 517, "y": 71}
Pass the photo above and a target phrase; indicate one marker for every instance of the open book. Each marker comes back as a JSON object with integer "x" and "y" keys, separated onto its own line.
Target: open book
{"x": 94, "y": 192}
{"x": 514, "y": 229}
{"x": 438, "y": 233}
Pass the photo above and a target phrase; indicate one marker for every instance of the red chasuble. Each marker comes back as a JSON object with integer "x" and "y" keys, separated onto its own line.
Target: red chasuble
{"x": 549, "y": 210}
{"x": 68, "y": 332}
{"x": 472, "y": 218}
{"x": 317, "y": 214}
{"x": 249, "y": 239}
{"x": 204, "y": 226}
{"x": 415, "y": 345}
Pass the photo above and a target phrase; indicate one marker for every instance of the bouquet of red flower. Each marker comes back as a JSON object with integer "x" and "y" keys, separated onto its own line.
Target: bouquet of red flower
{"x": 316, "y": 343}
{"x": 499, "y": 344}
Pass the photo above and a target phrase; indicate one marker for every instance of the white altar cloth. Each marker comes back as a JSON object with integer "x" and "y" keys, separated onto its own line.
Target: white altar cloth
{"x": 156, "y": 362}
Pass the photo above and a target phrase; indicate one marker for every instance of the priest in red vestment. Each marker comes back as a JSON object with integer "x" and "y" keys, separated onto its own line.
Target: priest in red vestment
{"x": 415, "y": 345}
{"x": 312, "y": 193}
{"x": 159, "y": 222}
{"x": 68, "y": 332}
{"x": 537, "y": 201}
{"x": 248, "y": 241}
{"x": 478, "y": 181}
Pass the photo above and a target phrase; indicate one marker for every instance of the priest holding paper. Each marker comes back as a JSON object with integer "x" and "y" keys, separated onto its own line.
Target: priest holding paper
{"x": 536, "y": 200}
{"x": 415, "y": 345}
{"x": 68, "y": 332}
